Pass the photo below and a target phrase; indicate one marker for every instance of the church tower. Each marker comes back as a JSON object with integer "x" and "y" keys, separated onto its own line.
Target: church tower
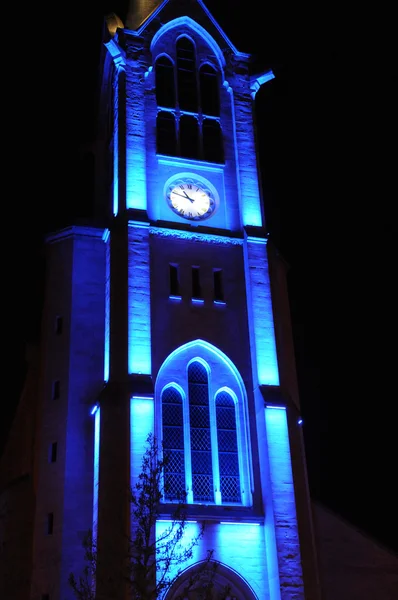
{"x": 172, "y": 318}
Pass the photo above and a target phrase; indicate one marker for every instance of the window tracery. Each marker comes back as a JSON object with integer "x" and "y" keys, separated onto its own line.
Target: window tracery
{"x": 188, "y": 101}
{"x": 203, "y": 432}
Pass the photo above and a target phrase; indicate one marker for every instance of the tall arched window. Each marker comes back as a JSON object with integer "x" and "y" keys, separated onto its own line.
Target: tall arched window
{"x": 204, "y": 427}
{"x": 227, "y": 448}
{"x": 164, "y": 78}
{"x": 199, "y": 423}
{"x": 173, "y": 444}
{"x": 186, "y": 76}
{"x": 191, "y": 95}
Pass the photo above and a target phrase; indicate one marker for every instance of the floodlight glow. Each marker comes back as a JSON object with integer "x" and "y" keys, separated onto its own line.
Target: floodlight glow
{"x": 238, "y": 523}
{"x": 96, "y": 473}
{"x": 261, "y": 321}
{"x": 141, "y": 424}
{"x": 172, "y": 521}
{"x": 107, "y": 308}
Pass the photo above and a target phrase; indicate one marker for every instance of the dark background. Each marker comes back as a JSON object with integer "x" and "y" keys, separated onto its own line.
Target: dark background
{"x": 324, "y": 135}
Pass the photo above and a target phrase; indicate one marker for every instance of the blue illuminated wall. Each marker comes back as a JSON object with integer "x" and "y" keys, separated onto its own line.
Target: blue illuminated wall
{"x": 96, "y": 471}
{"x": 139, "y": 317}
{"x": 283, "y": 503}
{"x": 261, "y": 321}
{"x": 141, "y": 425}
{"x": 112, "y": 289}
{"x": 115, "y": 145}
{"x": 97, "y": 440}
{"x": 107, "y": 305}
{"x": 73, "y": 356}
{"x": 146, "y": 171}
{"x": 240, "y": 546}
{"x": 234, "y": 339}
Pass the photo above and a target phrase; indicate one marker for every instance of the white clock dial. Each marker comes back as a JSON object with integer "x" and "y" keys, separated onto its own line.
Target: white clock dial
{"x": 190, "y": 199}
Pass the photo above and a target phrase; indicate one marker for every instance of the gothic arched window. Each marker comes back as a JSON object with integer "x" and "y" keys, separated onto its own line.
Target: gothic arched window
{"x": 173, "y": 444}
{"x": 228, "y": 461}
{"x": 186, "y": 75}
{"x": 191, "y": 95}
{"x": 199, "y": 428}
{"x": 203, "y": 429}
{"x": 164, "y": 78}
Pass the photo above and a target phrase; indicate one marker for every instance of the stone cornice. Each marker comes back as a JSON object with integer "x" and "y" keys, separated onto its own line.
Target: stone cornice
{"x": 73, "y": 232}
{"x": 207, "y": 238}
{"x": 256, "y": 81}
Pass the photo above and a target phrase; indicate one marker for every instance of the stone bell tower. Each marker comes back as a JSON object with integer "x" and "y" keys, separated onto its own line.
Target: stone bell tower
{"x": 172, "y": 317}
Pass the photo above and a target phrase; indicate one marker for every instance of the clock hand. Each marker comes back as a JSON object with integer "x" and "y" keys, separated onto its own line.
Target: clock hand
{"x": 185, "y": 197}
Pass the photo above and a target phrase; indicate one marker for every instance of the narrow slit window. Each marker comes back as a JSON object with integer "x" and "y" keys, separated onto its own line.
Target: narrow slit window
{"x": 53, "y": 452}
{"x": 56, "y": 389}
{"x": 196, "y": 289}
{"x": 50, "y": 523}
{"x": 174, "y": 281}
{"x": 59, "y": 323}
{"x": 218, "y": 285}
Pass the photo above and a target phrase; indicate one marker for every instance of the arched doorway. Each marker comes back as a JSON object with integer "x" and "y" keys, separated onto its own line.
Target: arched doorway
{"x": 210, "y": 581}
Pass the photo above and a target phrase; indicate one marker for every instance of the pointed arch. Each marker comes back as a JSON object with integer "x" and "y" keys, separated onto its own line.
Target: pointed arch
{"x": 188, "y": 23}
{"x": 218, "y": 575}
{"x": 209, "y": 353}
{"x": 188, "y": 66}
{"x": 217, "y": 467}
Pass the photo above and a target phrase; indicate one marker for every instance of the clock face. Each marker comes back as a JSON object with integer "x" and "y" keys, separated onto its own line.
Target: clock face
{"x": 191, "y": 199}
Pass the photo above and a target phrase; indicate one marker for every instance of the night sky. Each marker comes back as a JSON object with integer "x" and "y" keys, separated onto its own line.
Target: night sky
{"x": 327, "y": 189}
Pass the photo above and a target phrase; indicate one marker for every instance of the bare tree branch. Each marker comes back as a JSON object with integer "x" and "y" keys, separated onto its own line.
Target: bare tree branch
{"x": 153, "y": 563}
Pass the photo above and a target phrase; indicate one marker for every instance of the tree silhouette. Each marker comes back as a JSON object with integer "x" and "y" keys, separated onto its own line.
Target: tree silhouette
{"x": 153, "y": 563}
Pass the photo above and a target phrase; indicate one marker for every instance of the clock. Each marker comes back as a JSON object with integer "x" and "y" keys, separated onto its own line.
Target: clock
{"x": 191, "y": 198}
